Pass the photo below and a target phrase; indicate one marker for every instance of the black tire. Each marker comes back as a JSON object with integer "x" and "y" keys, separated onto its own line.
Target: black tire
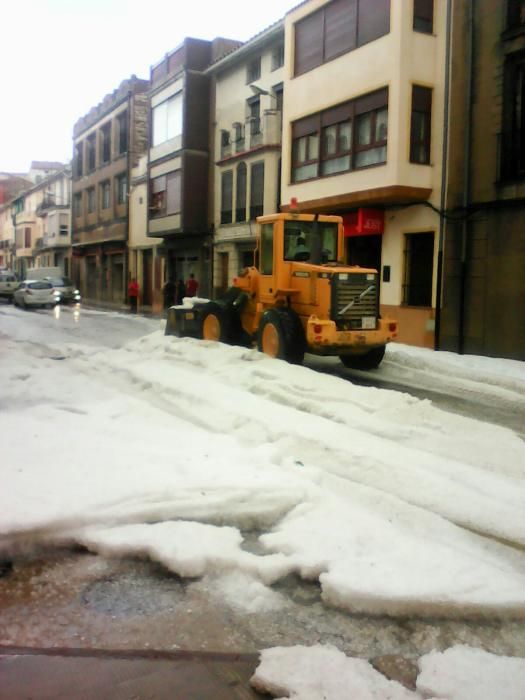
{"x": 370, "y": 360}
{"x": 220, "y": 323}
{"x": 281, "y": 335}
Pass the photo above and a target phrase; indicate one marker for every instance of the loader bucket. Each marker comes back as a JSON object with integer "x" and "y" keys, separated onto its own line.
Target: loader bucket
{"x": 171, "y": 322}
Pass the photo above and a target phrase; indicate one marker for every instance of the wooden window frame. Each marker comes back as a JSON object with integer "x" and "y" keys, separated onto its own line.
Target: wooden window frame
{"x": 257, "y": 170}
{"x": 241, "y": 191}
{"x": 371, "y": 103}
{"x": 311, "y": 32}
{"x": 227, "y": 197}
{"x": 423, "y": 16}
{"x": 421, "y": 105}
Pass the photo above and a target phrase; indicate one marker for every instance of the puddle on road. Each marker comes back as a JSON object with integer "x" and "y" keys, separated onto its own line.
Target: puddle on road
{"x": 76, "y": 599}
{"x": 127, "y": 595}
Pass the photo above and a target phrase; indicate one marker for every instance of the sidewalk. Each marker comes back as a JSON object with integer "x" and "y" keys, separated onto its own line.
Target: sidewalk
{"x": 90, "y": 674}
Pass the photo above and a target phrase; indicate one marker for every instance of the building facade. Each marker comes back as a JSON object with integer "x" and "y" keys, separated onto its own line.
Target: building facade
{"x": 108, "y": 143}
{"x": 483, "y": 310}
{"x": 364, "y": 98}
{"x": 53, "y": 249}
{"x": 145, "y": 262}
{"x": 247, "y": 94}
{"x": 179, "y": 209}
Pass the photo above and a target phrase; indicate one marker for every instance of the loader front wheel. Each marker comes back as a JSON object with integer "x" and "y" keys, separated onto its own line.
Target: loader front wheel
{"x": 220, "y": 324}
{"x": 281, "y": 335}
{"x": 370, "y": 360}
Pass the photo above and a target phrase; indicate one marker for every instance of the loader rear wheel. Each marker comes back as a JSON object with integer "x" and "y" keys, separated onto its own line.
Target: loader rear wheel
{"x": 281, "y": 335}
{"x": 220, "y": 323}
{"x": 370, "y": 360}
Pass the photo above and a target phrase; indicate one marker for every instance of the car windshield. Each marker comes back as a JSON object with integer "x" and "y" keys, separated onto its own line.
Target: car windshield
{"x": 40, "y": 284}
{"x": 298, "y": 240}
{"x": 61, "y": 282}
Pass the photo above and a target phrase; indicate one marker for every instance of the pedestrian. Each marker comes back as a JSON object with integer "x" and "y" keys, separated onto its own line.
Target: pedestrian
{"x": 192, "y": 286}
{"x": 181, "y": 291}
{"x": 133, "y": 295}
{"x": 169, "y": 291}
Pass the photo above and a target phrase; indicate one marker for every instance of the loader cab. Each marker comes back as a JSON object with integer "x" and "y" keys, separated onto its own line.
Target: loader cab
{"x": 286, "y": 242}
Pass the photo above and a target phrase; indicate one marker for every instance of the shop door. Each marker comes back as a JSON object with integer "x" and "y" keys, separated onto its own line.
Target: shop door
{"x": 364, "y": 251}
{"x": 147, "y": 277}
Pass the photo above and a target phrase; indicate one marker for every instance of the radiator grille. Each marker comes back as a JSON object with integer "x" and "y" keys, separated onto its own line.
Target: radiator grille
{"x": 355, "y": 300}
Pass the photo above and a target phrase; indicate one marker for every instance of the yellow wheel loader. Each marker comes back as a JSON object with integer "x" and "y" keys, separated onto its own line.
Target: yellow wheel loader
{"x": 298, "y": 297}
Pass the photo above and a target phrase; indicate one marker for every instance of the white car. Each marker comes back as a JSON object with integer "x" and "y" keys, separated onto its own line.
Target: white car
{"x": 8, "y": 284}
{"x": 35, "y": 293}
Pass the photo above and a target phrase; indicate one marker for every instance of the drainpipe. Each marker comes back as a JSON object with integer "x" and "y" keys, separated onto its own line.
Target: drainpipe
{"x": 444, "y": 178}
{"x": 467, "y": 177}
{"x": 128, "y": 193}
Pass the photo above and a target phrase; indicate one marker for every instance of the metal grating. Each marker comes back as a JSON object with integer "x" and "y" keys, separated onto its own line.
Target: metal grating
{"x": 355, "y": 300}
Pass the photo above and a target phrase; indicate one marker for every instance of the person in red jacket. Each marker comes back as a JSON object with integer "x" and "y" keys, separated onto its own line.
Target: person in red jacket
{"x": 133, "y": 295}
{"x": 192, "y": 286}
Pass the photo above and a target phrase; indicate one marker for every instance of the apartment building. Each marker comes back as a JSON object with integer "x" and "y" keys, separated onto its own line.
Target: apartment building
{"x": 484, "y": 250}
{"x": 364, "y": 98}
{"x": 145, "y": 261}
{"x": 179, "y": 209}
{"x": 53, "y": 248}
{"x": 247, "y": 94}
{"x": 108, "y": 142}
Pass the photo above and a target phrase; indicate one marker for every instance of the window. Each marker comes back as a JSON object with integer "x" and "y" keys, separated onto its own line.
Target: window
{"x": 226, "y": 197}
{"x": 336, "y": 147}
{"x": 348, "y": 136}
{"x": 253, "y": 70}
{"x": 105, "y": 193}
{"x": 337, "y": 28}
{"x": 226, "y": 146}
{"x": 167, "y": 120}
{"x": 77, "y": 204}
{"x": 513, "y": 136}
{"x": 91, "y": 200}
{"x": 27, "y": 238}
{"x": 165, "y": 194}
{"x": 419, "y": 259}
{"x": 64, "y": 230}
{"x": 79, "y": 159}
{"x": 240, "y": 198}
{"x": 303, "y": 233}
{"x": 420, "y": 124}
{"x": 105, "y": 143}
{"x": 254, "y": 119}
{"x": 122, "y": 125}
{"x": 122, "y": 189}
{"x": 257, "y": 190}
{"x": 278, "y": 56}
{"x": 266, "y": 249}
{"x": 423, "y": 16}
{"x": 515, "y": 13}
{"x": 91, "y": 152}
{"x": 238, "y": 135}
{"x": 371, "y": 135}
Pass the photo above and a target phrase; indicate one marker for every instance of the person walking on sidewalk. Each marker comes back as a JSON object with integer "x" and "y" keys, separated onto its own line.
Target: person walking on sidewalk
{"x": 133, "y": 295}
{"x": 192, "y": 286}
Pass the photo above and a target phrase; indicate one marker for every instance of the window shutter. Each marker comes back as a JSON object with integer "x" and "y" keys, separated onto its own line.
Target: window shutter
{"x": 340, "y": 28}
{"x": 373, "y": 20}
{"x": 309, "y": 43}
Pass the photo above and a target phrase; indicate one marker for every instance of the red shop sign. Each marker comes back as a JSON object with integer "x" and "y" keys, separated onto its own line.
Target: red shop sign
{"x": 364, "y": 222}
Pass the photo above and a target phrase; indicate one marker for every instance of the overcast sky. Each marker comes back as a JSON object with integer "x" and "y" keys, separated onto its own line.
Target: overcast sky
{"x": 60, "y": 57}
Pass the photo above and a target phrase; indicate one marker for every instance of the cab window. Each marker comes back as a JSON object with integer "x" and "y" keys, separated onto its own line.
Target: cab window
{"x": 267, "y": 249}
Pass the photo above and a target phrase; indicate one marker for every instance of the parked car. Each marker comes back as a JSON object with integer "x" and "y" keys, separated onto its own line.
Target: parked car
{"x": 8, "y": 284}
{"x": 35, "y": 293}
{"x": 65, "y": 289}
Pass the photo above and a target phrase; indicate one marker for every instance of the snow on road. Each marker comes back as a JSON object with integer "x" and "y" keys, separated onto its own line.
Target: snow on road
{"x": 393, "y": 505}
{"x": 171, "y": 448}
